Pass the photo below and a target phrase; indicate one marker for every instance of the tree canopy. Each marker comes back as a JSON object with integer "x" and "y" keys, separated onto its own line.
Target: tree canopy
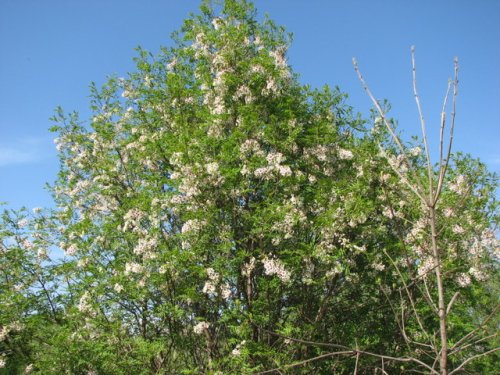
{"x": 218, "y": 217}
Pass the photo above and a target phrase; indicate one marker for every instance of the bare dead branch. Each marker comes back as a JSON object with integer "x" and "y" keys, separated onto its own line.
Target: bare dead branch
{"x": 452, "y": 129}
{"x": 450, "y": 304}
{"x": 422, "y": 122}
{"x": 459, "y": 368}
{"x": 390, "y": 129}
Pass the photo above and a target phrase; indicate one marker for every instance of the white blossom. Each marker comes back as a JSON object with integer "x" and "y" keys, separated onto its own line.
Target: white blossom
{"x": 22, "y": 223}
{"x": 345, "y": 154}
{"x": 415, "y": 151}
{"x": 225, "y": 291}
{"x": 463, "y": 280}
{"x": 118, "y": 288}
{"x": 84, "y": 304}
{"x": 201, "y": 327}
{"x": 273, "y": 266}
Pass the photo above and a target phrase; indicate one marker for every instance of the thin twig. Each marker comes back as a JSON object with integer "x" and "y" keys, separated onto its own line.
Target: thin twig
{"x": 422, "y": 122}
{"x": 452, "y": 129}
{"x": 459, "y": 368}
{"x": 450, "y": 304}
{"x": 389, "y": 128}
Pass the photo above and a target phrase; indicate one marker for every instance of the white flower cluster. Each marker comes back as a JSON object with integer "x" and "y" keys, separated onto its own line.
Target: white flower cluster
{"x": 118, "y": 288}
{"x": 225, "y": 291}
{"x": 146, "y": 248}
{"x": 275, "y": 160}
{"x": 463, "y": 280}
{"x": 133, "y": 268}
{"x": 132, "y": 220}
{"x": 210, "y": 286}
{"x": 273, "y": 266}
{"x": 320, "y": 152}
{"x": 193, "y": 226}
{"x": 251, "y": 146}
{"x": 345, "y": 154}
{"x": 448, "y": 212}
{"x": 4, "y": 331}
{"x": 459, "y": 186}
{"x": 22, "y": 223}
{"x": 285, "y": 228}
{"x": 84, "y": 305}
{"x": 425, "y": 266}
{"x": 415, "y": 151}
{"x": 237, "y": 349}
{"x": 201, "y": 327}
{"x": 215, "y": 178}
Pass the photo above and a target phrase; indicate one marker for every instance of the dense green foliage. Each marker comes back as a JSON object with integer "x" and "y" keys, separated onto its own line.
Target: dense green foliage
{"x": 217, "y": 217}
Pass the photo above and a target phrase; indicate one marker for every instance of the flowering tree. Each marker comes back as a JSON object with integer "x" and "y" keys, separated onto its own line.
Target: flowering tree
{"x": 218, "y": 217}
{"x": 450, "y": 241}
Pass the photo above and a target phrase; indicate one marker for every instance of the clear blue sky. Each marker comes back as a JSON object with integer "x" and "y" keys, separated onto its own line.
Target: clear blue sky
{"x": 52, "y": 49}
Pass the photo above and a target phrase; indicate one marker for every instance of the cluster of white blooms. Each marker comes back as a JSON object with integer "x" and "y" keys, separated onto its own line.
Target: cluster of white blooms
{"x": 279, "y": 57}
{"x": 133, "y": 268}
{"x": 192, "y": 226}
{"x": 84, "y": 305}
{"x": 244, "y": 92}
{"x": 27, "y": 244}
{"x": 457, "y": 229}
{"x": 275, "y": 160}
{"x": 378, "y": 266}
{"x": 415, "y": 151}
{"x": 345, "y": 154}
{"x": 189, "y": 181}
{"x": 459, "y": 186}
{"x": 200, "y": 47}
{"x": 22, "y": 223}
{"x": 425, "y": 266}
{"x": 398, "y": 163}
{"x": 285, "y": 227}
{"x": 463, "y": 280}
{"x": 448, "y": 212}
{"x": 71, "y": 250}
{"x": 251, "y": 146}
{"x": 225, "y": 291}
{"x": 271, "y": 87}
{"x": 257, "y": 69}
{"x": 418, "y": 230}
{"x": 29, "y": 369}
{"x": 388, "y": 212}
{"x": 118, "y": 288}
{"x": 237, "y": 349}
{"x": 210, "y": 286}
{"x": 201, "y": 327}
{"x": 146, "y": 247}
{"x": 477, "y": 273}
{"x": 217, "y": 23}
{"x": 273, "y": 266}
{"x": 4, "y": 331}
{"x": 3, "y": 363}
{"x": 132, "y": 220}
{"x": 215, "y": 178}
{"x": 320, "y": 152}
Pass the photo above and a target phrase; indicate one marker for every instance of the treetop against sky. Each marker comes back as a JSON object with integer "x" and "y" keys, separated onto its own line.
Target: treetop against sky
{"x": 54, "y": 49}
